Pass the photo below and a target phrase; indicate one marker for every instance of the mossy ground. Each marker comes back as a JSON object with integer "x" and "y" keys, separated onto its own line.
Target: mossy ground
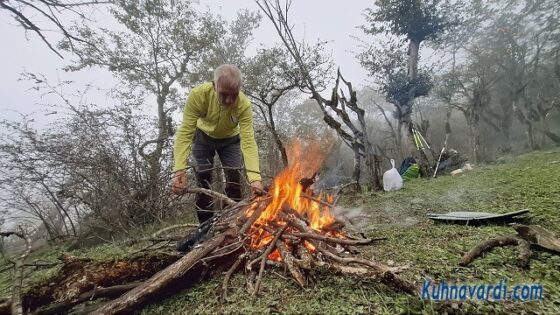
{"x": 430, "y": 250}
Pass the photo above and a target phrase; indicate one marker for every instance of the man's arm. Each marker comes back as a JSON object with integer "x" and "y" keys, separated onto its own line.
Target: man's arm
{"x": 185, "y": 133}
{"x": 249, "y": 145}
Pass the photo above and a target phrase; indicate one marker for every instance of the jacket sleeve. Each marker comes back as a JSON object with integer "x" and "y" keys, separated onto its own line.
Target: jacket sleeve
{"x": 185, "y": 133}
{"x": 248, "y": 144}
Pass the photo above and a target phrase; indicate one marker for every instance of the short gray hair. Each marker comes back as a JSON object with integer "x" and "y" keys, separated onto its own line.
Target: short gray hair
{"x": 228, "y": 74}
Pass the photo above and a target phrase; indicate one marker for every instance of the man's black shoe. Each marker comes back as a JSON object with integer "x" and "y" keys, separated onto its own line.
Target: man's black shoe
{"x": 188, "y": 242}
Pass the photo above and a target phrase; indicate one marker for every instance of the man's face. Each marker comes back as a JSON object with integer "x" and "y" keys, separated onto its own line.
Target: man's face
{"x": 227, "y": 95}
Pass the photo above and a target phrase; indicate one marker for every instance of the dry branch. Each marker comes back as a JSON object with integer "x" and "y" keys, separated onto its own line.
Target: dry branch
{"x": 291, "y": 263}
{"x": 267, "y": 252}
{"x": 335, "y": 240}
{"x": 478, "y": 250}
{"x": 228, "y": 275}
{"x": 538, "y": 236}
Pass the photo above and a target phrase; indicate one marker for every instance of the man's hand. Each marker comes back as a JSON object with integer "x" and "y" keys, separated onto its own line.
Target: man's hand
{"x": 179, "y": 184}
{"x": 257, "y": 188}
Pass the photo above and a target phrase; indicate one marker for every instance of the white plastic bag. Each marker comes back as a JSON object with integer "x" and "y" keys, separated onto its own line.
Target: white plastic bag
{"x": 392, "y": 180}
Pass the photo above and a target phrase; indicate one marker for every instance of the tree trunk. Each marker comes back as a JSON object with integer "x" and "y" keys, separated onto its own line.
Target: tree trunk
{"x": 406, "y": 142}
{"x": 277, "y": 139}
{"x": 373, "y": 167}
{"x": 531, "y": 136}
{"x": 373, "y": 161}
{"x": 281, "y": 148}
{"x": 410, "y": 148}
{"x": 476, "y": 140}
{"x": 356, "y": 169}
{"x": 413, "y": 49}
{"x": 506, "y": 127}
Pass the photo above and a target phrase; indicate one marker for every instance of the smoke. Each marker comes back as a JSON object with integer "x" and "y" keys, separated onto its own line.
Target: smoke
{"x": 362, "y": 219}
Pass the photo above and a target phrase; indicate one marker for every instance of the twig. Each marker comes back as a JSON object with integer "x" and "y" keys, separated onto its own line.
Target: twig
{"x": 150, "y": 246}
{"x": 335, "y": 240}
{"x": 267, "y": 252}
{"x": 177, "y": 226}
{"x": 229, "y": 273}
{"x": 324, "y": 203}
{"x": 221, "y": 252}
{"x": 209, "y": 192}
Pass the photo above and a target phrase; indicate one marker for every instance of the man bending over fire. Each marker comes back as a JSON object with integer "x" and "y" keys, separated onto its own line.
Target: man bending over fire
{"x": 217, "y": 118}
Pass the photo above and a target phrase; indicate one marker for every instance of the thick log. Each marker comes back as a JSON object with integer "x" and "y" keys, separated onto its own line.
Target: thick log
{"x": 126, "y": 303}
{"x": 538, "y": 236}
{"x": 96, "y": 293}
{"x": 78, "y": 276}
{"x": 478, "y": 250}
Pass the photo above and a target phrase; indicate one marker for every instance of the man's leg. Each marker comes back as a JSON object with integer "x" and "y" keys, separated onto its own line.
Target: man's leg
{"x": 204, "y": 156}
{"x": 230, "y": 155}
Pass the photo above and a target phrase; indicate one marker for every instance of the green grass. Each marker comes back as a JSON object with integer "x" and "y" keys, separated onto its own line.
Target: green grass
{"x": 430, "y": 250}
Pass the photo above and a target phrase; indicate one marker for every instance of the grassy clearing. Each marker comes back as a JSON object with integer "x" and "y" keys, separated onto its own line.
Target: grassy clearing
{"x": 430, "y": 250}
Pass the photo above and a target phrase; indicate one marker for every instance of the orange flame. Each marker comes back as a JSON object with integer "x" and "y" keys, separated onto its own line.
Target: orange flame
{"x": 286, "y": 191}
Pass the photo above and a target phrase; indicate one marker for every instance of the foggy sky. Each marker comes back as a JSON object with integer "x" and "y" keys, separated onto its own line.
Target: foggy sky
{"x": 334, "y": 21}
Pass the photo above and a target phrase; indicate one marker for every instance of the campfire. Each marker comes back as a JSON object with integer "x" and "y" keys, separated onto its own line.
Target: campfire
{"x": 289, "y": 227}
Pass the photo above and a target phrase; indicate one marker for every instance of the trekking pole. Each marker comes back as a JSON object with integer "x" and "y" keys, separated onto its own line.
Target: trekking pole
{"x": 440, "y": 154}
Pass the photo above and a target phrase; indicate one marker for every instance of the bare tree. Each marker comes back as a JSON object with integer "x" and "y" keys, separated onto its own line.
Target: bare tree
{"x": 272, "y": 74}
{"x": 339, "y": 104}
{"x": 29, "y": 13}
{"x": 85, "y": 166}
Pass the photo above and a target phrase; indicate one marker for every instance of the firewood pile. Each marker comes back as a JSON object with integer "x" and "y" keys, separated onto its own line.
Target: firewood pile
{"x": 289, "y": 227}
